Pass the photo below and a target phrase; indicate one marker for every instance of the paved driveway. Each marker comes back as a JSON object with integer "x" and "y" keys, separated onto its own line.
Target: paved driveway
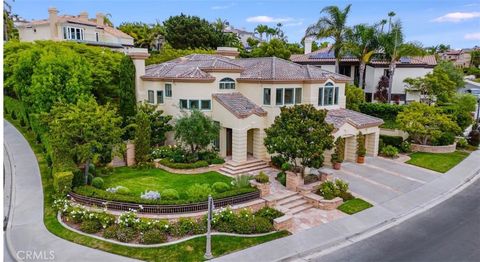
{"x": 380, "y": 179}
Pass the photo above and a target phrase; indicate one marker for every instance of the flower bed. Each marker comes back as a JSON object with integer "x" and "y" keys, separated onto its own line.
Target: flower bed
{"x": 129, "y": 228}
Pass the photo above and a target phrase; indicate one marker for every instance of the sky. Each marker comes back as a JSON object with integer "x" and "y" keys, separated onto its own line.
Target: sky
{"x": 431, "y": 22}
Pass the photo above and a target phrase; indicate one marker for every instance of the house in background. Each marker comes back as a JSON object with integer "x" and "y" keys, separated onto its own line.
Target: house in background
{"x": 79, "y": 28}
{"x": 461, "y": 58}
{"x": 242, "y": 35}
{"x": 245, "y": 95}
{"x": 349, "y": 66}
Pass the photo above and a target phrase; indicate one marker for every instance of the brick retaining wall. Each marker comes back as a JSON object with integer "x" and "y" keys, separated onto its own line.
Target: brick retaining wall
{"x": 434, "y": 149}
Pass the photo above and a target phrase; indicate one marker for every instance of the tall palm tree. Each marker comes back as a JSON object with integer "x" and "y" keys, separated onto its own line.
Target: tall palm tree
{"x": 260, "y": 29}
{"x": 394, "y": 48}
{"x": 270, "y": 33}
{"x": 391, "y": 14}
{"x": 362, "y": 42}
{"x": 332, "y": 25}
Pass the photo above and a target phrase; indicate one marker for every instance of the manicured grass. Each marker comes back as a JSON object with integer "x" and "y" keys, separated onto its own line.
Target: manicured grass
{"x": 354, "y": 206}
{"x": 139, "y": 180}
{"x": 191, "y": 250}
{"x": 437, "y": 162}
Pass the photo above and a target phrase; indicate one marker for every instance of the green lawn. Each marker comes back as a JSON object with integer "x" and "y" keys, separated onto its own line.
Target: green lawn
{"x": 354, "y": 206}
{"x": 139, "y": 180}
{"x": 437, "y": 162}
{"x": 389, "y": 123}
{"x": 191, "y": 250}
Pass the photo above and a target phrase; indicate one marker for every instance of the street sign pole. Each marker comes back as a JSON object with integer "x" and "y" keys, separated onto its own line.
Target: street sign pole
{"x": 208, "y": 251}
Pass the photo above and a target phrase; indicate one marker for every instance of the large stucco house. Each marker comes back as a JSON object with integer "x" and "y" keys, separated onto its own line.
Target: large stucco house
{"x": 78, "y": 28}
{"x": 407, "y": 67}
{"x": 245, "y": 96}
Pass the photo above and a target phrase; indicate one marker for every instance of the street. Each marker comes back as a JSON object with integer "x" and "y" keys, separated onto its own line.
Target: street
{"x": 447, "y": 232}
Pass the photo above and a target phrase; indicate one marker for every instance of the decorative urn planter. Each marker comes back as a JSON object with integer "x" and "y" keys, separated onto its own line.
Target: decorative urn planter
{"x": 337, "y": 166}
{"x": 361, "y": 159}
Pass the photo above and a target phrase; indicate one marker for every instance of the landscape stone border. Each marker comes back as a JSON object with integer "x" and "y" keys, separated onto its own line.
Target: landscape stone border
{"x": 193, "y": 171}
{"x": 434, "y": 149}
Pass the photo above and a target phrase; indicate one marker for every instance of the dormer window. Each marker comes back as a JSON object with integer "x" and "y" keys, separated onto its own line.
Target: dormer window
{"x": 227, "y": 83}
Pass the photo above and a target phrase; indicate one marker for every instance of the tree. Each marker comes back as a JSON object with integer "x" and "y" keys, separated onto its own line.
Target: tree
{"x": 168, "y": 53}
{"x": 355, "y": 97}
{"x": 275, "y": 47}
{"x": 295, "y": 48}
{"x": 316, "y": 46}
{"x": 126, "y": 90}
{"x": 9, "y": 30}
{"x": 196, "y": 130}
{"x": 332, "y": 25}
{"x": 142, "y": 137}
{"x": 381, "y": 94}
{"x": 362, "y": 43}
{"x": 300, "y": 135}
{"x": 475, "y": 58}
{"x": 454, "y": 74}
{"x": 144, "y": 35}
{"x": 82, "y": 131}
{"x": 183, "y": 32}
{"x": 252, "y": 42}
{"x": 261, "y": 29}
{"x": 425, "y": 123}
{"x": 159, "y": 123}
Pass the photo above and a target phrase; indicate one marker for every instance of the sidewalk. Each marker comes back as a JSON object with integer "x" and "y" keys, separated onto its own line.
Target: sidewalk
{"x": 336, "y": 232}
{"x": 26, "y": 231}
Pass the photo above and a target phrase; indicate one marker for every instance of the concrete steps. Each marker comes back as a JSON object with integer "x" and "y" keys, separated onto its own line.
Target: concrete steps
{"x": 292, "y": 203}
{"x": 234, "y": 168}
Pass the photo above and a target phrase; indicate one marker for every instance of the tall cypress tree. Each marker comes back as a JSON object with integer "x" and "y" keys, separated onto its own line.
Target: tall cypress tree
{"x": 127, "y": 89}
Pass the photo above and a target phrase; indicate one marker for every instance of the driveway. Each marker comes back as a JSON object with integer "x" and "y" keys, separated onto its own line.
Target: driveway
{"x": 380, "y": 179}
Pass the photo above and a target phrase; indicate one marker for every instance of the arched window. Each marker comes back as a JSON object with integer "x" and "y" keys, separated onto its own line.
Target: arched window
{"x": 227, "y": 83}
{"x": 328, "y": 95}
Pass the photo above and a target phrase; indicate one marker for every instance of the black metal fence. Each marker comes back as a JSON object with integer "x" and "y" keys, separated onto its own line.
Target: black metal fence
{"x": 164, "y": 209}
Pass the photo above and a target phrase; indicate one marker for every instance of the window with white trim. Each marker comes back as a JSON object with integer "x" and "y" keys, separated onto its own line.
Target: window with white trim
{"x": 227, "y": 83}
{"x": 267, "y": 96}
{"x": 151, "y": 98}
{"x": 195, "y": 104}
{"x": 160, "y": 97}
{"x": 328, "y": 95}
{"x": 168, "y": 90}
{"x": 73, "y": 33}
{"x": 288, "y": 96}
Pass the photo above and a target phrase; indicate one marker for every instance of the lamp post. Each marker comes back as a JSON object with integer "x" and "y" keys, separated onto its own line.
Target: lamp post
{"x": 478, "y": 108}
{"x": 208, "y": 251}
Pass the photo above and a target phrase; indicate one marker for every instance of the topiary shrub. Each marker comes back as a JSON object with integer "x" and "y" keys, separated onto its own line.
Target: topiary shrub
{"x": 199, "y": 192}
{"x": 406, "y": 147}
{"x": 170, "y": 194}
{"x": 91, "y": 226}
{"x": 389, "y": 151}
{"x": 262, "y": 178}
{"x": 62, "y": 182}
{"x": 98, "y": 182}
{"x": 89, "y": 179}
{"x": 220, "y": 187}
{"x": 166, "y": 162}
{"x": 395, "y": 141}
{"x": 153, "y": 236}
{"x": 361, "y": 150}
{"x": 121, "y": 190}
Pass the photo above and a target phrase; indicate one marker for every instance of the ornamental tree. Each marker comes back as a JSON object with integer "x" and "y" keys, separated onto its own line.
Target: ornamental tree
{"x": 196, "y": 130}
{"x": 127, "y": 89}
{"x": 355, "y": 97}
{"x": 159, "y": 123}
{"x": 142, "y": 137}
{"x": 300, "y": 135}
{"x": 425, "y": 123}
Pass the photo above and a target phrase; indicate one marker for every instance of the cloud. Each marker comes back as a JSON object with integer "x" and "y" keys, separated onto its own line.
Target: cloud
{"x": 269, "y": 19}
{"x": 456, "y": 17}
{"x": 221, "y": 7}
{"x": 295, "y": 23}
{"x": 472, "y": 36}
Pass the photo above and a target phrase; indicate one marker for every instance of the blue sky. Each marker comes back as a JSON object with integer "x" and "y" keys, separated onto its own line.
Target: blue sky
{"x": 454, "y": 22}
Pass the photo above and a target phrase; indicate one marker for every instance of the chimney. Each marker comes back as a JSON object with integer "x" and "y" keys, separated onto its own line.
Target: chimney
{"x": 100, "y": 19}
{"x": 83, "y": 15}
{"x": 308, "y": 45}
{"x": 229, "y": 52}
{"x": 138, "y": 56}
{"x": 52, "y": 20}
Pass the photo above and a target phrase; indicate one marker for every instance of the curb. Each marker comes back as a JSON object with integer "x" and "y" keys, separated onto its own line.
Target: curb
{"x": 161, "y": 244}
{"x": 10, "y": 248}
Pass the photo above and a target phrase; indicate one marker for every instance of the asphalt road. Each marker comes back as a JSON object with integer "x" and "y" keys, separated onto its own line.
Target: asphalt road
{"x": 449, "y": 232}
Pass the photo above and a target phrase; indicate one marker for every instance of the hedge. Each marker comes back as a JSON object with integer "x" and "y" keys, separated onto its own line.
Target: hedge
{"x": 62, "y": 182}
{"x": 166, "y": 162}
{"x": 381, "y": 110}
{"x": 395, "y": 141}
{"x": 15, "y": 105}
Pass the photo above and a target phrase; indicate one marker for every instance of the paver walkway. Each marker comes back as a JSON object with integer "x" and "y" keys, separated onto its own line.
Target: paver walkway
{"x": 26, "y": 231}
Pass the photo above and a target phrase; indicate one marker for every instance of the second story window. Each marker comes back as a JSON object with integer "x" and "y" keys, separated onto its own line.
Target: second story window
{"x": 72, "y": 33}
{"x": 151, "y": 98}
{"x": 288, "y": 96}
{"x": 227, "y": 83}
{"x": 160, "y": 97}
{"x": 168, "y": 90}
{"x": 267, "y": 95}
{"x": 328, "y": 95}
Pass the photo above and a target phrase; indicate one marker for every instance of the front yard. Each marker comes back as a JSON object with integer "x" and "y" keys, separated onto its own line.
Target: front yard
{"x": 354, "y": 206}
{"x": 437, "y": 162}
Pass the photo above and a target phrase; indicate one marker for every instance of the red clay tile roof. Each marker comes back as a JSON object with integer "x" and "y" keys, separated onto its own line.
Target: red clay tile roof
{"x": 339, "y": 117}
{"x": 239, "y": 105}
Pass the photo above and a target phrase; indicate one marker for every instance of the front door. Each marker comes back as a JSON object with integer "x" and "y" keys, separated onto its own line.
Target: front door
{"x": 229, "y": 141}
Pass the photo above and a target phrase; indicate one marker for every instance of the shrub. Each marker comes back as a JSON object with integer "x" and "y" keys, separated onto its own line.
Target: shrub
{"x": 277, "y": 161}
{"x": 310, "y": 178}
{"x": 121, "y": 190}
{"x": 395, "y": 141}
{"x": 162, "y": 152}
{"x": 406, "y": 147}
{"x": 245, "y": 223}
{"x": 286, "y": 166}
{"x": 62, "y": 182}
{"x": 153, "y": 195}
{"x": 262, "y": 178}
{"x": 339, "y": 153}
{"x": 170, "y": 194}
{"x": 201, "y": 163}
{"x": 162, "y": 225}
{"x": 92, "y": 169}
{"x": 110, "y": 232}
{"x": 361, "y": 150}
{"x": 22, "y": 122}
{"x": 125, "y": 234}
{"x": 342, "y": 186}
{"x": 199, "y": 192}
{"x": 98, "y": 182}
{"x": 282, "y": 178}
{"x": 220, "y": 187}
{"x": 90, "y": 226}
{"x": 128, "y": 219}
{"x": 183, "y": 227}
{"x": 13, "y": 115}
{"x": 269, "y": 213}
{"x": 328, "y": 190}
{"x": 153, "y": 236}
{"x": 381, "y": 110}
{"x": 262, "y": 225}
{"x": 347, "y": 196}
{"x": 217, "y": 161}
{"x": 474, "y": 138}
{"x": 390, "y": 151}
{"x": 462, "y": 143}
{"x": 241, "y": 181}
{"x": 89, "y": 179}
{"x": 447, "y": 138}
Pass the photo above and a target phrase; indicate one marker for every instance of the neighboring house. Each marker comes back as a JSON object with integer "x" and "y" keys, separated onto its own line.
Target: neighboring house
{"x": 74, "y": 28}
{"x": 406, "y": 67}
{"x": 245, "y": 95}
{"x": 242, "y": 35}
{"x": 461, "y": 58}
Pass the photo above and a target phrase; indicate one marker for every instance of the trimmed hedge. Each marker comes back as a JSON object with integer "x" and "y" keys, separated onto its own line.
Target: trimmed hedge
{"x": 381, "y": 110}
{"x": 166, "y": 162}
{"x": 62, "y": 182}
{"x": 395, "y": 141}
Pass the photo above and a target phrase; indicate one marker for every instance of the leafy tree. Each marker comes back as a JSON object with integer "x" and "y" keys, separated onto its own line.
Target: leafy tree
{"x": 300, "y": 135}
{"x": 355, "y": 97}
{"x": 82, "y": 131}
{"x": 159, "y": 123}
{"x": 275, "y": 47}
{"x": 144, "y": 35}
{"x": 252, "y": 42}
{"x": 126, "y": 90}
{"x": 196, "y": 130}
{"x": 382, "y": 90}
{"x": 142, "y": 137}
{"x": 425, "y": 123}
{"x": 184, "y": 31}
{"x": 454, "y": 74}
{"x": 9, "y": 30}
{"x": 475, "y": 58}
{"x": 332, "y": 25}
{"x": 295, "y": 48}
{"x": 168, "y": 53}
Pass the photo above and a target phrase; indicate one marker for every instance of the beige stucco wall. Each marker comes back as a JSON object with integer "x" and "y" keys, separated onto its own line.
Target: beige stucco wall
{"x": 40, "y": 32}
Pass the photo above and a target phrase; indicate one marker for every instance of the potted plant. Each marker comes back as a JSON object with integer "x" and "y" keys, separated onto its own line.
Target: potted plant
{"x": 361, "y": 150}
{"x": 339, "y": 153}
{"x": 335, "y": 164}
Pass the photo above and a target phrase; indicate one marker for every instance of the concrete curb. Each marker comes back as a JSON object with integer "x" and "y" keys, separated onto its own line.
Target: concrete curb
{"x": 157, "y": 245}
{"x": 10, "y": 248}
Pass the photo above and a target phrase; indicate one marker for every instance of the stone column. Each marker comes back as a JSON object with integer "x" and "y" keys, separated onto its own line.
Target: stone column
{"x": 294, "y": 181}
{"x": 351, "y": 148}
{"x": 371, "y": 143}
{"x": 130, "y": 153}
{"x": 239, "y": 145}
{"x": 259, "y": 149}
{"x": 223, "y": 141}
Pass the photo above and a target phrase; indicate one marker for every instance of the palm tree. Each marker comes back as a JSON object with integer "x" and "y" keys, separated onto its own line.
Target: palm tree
{"x": 391, "y": 14}
{"x": 362, "y": 43}
{"x": 270, "y": 32}
{"x": 107, "y": 19}
{"x": 260, "y": 29}
{"x": 394, "y": 48}
{"x": 220, "y": 24}
{"x": 334, "y": 25}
